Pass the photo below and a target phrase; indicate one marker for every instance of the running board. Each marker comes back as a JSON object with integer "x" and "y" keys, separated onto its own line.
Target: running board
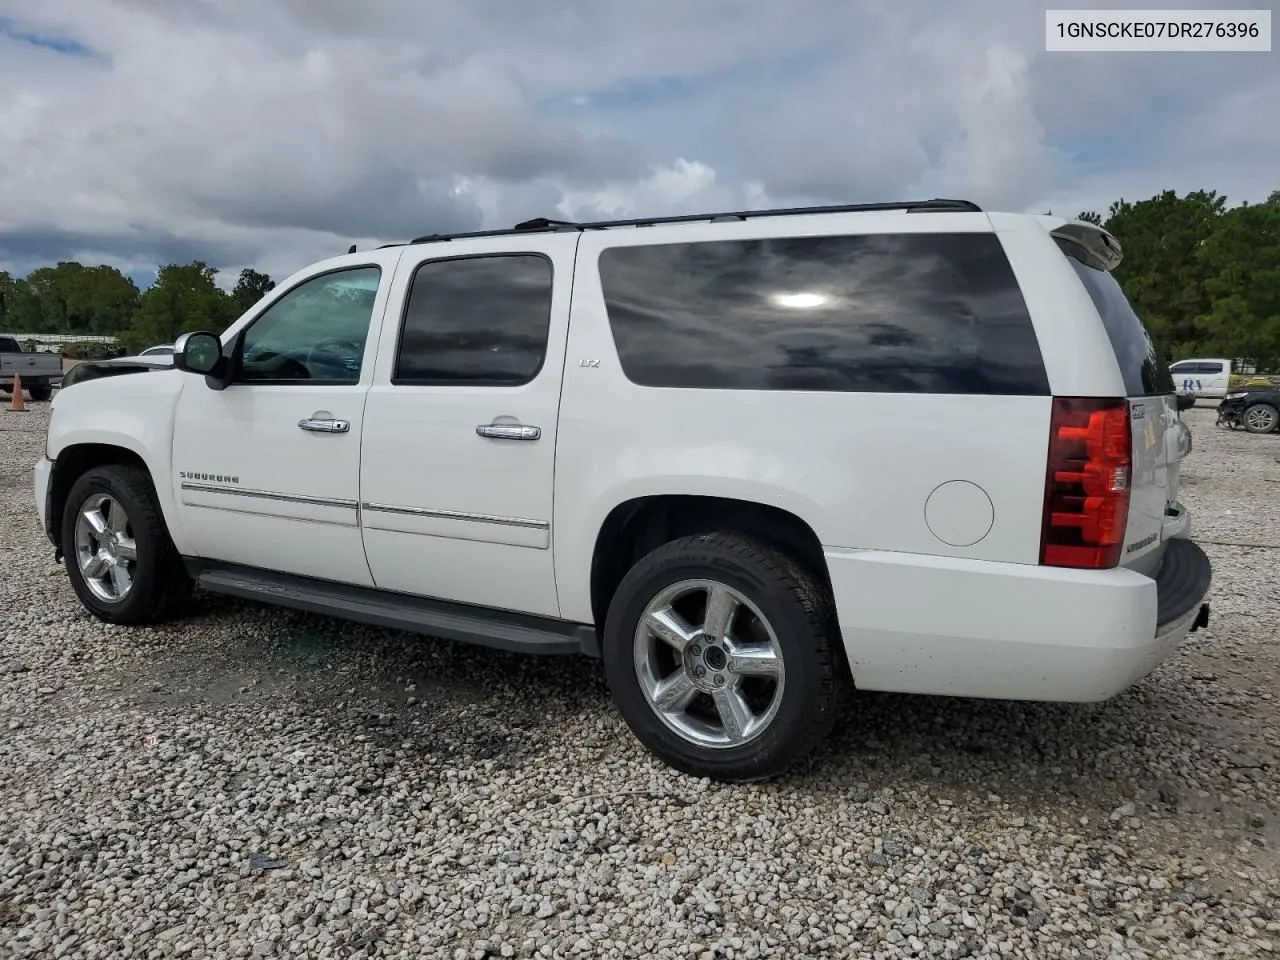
{"x": 501, "y": 629}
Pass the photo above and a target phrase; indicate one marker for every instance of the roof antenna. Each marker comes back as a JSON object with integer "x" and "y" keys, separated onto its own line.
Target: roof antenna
{"x": 353, "y": 249}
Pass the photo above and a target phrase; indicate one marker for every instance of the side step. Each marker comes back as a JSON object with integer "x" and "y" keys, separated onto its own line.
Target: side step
{"x": 501, "y": 629}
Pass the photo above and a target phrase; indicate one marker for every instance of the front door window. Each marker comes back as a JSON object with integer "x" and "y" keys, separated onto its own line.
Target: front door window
{"x": 315, "y": 333}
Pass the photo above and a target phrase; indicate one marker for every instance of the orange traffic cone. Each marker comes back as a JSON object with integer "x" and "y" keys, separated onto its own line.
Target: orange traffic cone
{"x": 18, "y": 402}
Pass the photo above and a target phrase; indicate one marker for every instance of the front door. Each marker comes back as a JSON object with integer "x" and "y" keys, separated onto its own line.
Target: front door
{"x": 267, "y": 471}
{"x": 460, "y": 428}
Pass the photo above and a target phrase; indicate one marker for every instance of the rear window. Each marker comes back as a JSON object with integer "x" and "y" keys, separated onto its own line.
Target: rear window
{"x": 882, "y": 313}
{"x": 1145, "y": 371}
{"x": 9, "y": 345}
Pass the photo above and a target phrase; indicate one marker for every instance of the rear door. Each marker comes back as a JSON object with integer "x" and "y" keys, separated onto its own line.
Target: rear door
{"x": 458, "y": 459}
{"x": 1160, "y": 439}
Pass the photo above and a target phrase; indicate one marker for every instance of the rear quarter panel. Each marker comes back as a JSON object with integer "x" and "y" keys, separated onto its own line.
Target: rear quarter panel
{"x": 1081, "y": 362}
{"x": 858, "y": 468}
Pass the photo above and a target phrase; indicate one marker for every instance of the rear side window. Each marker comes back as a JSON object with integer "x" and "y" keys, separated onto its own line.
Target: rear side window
{"x": 1145, "y": 371}
{"x": 884, "y": 313}
{"x": 477, "y": 321}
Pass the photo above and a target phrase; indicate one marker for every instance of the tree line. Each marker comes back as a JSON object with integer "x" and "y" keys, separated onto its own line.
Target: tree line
{"x": 71, "y": 298}
{"x": 1204, "y": 277}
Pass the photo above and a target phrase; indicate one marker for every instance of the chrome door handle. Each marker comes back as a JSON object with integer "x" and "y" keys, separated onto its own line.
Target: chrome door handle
{"x": 508, "y": 431}
{"x": 325, "y": 426}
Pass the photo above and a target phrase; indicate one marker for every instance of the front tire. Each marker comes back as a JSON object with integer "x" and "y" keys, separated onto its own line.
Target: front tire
{"x": 721, "y": 655}
{"x": 121, "y": 562}
{"x": 1261, "y": 418}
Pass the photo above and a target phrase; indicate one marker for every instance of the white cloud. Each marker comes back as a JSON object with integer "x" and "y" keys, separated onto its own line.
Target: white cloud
{"x": 270, "y": 134}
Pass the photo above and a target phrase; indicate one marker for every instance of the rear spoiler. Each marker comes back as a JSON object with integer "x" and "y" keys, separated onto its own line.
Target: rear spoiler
{"x": 1090, "y": 244}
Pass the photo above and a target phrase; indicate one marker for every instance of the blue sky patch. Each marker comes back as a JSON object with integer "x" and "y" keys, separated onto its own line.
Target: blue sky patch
{"x": 64, "y": 45}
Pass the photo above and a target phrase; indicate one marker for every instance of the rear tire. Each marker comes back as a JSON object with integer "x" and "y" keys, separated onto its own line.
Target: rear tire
{"x": 1261, "y": 418}
{"x": 121, "y": 561}
{"x": 756, "y": 684}
{"x": 40, "y": 392}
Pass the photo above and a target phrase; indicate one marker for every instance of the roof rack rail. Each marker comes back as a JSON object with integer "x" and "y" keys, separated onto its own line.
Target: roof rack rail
{"x": 539, "y": 224}
{"x": 542, "y": 223}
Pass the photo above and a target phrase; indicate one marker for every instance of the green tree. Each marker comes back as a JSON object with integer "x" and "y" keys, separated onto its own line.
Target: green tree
{"x": 1162, "y": 272}
{"x": 183, "y": 298}
{"x": 73, "y": 298}
{"x": 19, "y": 307}
{"x": 1241, "y": 263}
{"x": 48, "y": 285}
{"x": 101, "y": 301}
{"x": 250, "y": 288}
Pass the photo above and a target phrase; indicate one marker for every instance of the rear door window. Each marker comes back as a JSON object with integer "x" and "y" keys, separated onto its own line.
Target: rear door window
{"x": 1145, "y": 371}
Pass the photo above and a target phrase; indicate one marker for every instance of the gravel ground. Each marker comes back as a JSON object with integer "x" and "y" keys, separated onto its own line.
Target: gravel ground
{"x": 257, "y": 783}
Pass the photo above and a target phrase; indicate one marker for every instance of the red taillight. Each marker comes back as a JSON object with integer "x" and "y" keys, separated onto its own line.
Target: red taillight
{"x": 1086, "y": 497}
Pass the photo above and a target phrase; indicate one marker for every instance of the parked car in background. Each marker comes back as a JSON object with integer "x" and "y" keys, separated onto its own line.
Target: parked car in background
{"x": 39, "y": 369}
{"x": 1207, "y": 378}
{"x": 1257, "y": 409}
{"x": 754, "y": 461}
{"x": 161, "y": 354}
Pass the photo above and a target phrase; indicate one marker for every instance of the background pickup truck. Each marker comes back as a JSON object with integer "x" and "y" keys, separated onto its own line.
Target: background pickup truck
{"x": 39, "y": 371}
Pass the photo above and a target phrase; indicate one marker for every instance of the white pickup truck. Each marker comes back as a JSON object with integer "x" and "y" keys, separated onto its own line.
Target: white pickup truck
{"x": 39, "y": 370}
{"x": 752, "y": 460}
{"x": 1203, "y": 377}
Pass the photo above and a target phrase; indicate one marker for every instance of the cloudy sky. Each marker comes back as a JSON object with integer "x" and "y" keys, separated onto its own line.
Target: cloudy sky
{"x": 270, "y": 133}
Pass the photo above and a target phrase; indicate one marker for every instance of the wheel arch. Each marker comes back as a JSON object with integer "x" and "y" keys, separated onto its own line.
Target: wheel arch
{"x": 639, "y": 525}
{"x": 72, "y": 462}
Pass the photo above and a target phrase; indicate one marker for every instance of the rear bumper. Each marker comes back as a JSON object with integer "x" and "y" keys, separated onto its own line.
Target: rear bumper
{"x": 939, "y": 625}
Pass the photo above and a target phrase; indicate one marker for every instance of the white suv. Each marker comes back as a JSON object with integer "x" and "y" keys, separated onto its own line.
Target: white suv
{"x": 751, "y": 460}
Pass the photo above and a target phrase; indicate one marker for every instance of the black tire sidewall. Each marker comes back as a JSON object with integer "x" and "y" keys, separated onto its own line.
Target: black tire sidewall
{"x": 111, "y": 480}
{"x": 807, "y": 670}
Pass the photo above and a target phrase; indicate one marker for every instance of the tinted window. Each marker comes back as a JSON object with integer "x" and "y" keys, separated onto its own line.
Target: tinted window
{"x": 476, "y": 320}
{"x": 1144, "y": 369}
{"x": 1210, "y": 368}
{"x": 316, "y": 332}
{"x": 9, "y": 345}
{"x": 908, "y": 313}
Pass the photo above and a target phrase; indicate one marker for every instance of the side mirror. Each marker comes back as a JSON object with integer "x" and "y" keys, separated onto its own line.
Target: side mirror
{"x": 198, "y": 353}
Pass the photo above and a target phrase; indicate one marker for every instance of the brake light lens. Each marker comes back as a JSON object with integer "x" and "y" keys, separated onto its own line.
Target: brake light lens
{"x": 1086, "y": 499}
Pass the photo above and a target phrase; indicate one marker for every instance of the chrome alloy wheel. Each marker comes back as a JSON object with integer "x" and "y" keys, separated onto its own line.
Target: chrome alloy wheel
{"x": 1260, "y": 418}
{"x": 105, "y": 549}
{"x": 709, "y": 663}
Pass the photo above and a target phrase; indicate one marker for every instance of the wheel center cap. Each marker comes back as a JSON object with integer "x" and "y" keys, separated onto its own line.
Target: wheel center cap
{"x": 715, "y": 658}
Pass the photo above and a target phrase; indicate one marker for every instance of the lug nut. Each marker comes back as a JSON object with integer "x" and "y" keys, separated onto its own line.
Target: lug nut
{"x": 719, "y": 679}
{"x": 696, "y": 650}
{"x": 700, "y": 670}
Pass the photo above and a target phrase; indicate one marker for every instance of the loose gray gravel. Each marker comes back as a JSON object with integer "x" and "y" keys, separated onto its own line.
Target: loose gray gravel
{"x": 259, "y": 783}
